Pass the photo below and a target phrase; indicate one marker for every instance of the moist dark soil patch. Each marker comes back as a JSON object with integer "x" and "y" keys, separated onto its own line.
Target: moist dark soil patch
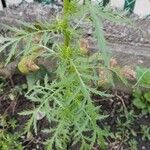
{"x": 118, "y": 108}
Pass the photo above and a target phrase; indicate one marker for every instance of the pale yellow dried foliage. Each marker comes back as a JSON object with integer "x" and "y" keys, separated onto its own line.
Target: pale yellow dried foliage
{"x": 128, "y": 73}
{"x": 84, "y": 46}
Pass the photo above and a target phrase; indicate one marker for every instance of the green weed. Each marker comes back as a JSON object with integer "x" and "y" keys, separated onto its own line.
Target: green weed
{"x": 63, "y": 95}
{"x": 142, "y": 97}
{"x": 8, "y": 140}
{"x": 145, "y": 130}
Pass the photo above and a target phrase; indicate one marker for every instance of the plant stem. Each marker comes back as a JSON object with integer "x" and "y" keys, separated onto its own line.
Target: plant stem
{"x": 66, "y": 23}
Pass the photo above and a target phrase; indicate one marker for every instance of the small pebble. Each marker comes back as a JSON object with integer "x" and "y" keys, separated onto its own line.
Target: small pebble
{"x": 37, "y": 146}
{"x": 126, "y": 97}
{"x": 140, "y": 61}
{"x": 143, "y": 147}
{"x": 23, "y": 137}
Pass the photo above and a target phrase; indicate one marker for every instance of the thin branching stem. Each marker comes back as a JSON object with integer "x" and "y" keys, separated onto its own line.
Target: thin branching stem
{"x": 66, "y": 23}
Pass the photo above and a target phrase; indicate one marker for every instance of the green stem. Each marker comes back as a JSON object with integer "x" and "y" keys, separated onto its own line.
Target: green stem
{"x": 66, "y": 23}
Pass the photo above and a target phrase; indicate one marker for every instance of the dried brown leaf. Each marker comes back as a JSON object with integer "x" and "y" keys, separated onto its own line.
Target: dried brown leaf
{"x": 113, "y": 63}
{"x": 84, "y": 45}
{"x": 31, "y": 65}
{"x": 128, "y": 73}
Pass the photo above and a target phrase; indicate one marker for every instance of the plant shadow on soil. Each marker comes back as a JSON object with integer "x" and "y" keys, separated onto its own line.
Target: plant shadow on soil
{"x": 122, "y": 123}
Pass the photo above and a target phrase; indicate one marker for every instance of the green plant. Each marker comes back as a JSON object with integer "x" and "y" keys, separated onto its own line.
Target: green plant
{"x": 8, "y": 140}
{"x": 124, "y": 130}
{"x": 143, "y": 77}
{"x": 71, "y": 110}
{"x": 133, "y": 144}
{"x": 65, "y": 98}
{"x": 142, "y": 101}
{"x": 145, "y": 130}
{"x": 142, "y": 97}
